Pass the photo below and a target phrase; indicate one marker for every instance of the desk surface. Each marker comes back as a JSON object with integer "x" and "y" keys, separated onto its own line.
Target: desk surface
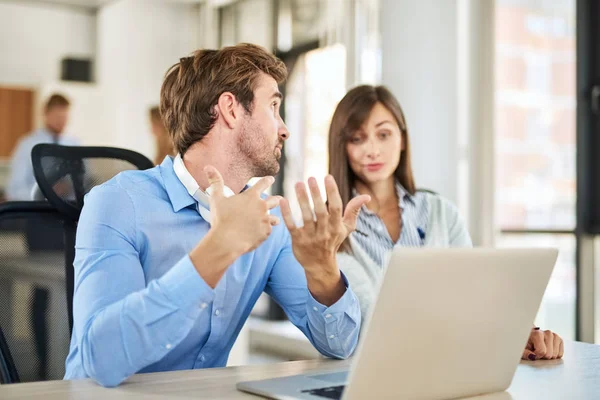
{"x": 575, "y": 377}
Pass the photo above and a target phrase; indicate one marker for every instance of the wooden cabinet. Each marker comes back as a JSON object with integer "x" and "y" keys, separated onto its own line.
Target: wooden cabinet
{"x": 16, "y": 117}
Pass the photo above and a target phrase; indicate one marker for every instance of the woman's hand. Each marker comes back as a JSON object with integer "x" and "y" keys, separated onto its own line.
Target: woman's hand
{"x": 543, "y": 345}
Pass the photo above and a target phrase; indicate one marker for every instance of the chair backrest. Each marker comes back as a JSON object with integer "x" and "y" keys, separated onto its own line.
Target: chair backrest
{"x": 34, "y": 315}
{"x": 65, "y": 174}
{"x": 8, "y": 371}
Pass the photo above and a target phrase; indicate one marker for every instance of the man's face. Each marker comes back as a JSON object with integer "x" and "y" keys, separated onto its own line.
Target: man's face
{"x": 57, "y": 118}
{"x": 263, "y": 131}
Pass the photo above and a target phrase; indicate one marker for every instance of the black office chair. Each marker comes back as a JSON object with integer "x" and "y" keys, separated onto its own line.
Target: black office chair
{"x": 34, "y": 337}
{"x": 8, "y": 371}
{"x": 65, "y": 174}
{"x": 37, "y": 248}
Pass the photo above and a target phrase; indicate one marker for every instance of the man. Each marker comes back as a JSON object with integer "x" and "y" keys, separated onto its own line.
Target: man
{"x": 166, "y": 274}
{"x": 21, "y": 180}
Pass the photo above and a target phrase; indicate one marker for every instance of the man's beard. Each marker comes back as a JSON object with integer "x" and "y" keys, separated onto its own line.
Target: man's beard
{"x": 259, "y": 157}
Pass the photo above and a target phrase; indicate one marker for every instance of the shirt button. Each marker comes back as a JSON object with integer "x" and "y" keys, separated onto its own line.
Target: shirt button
{"x": 315, "y": 308}
{"x": 328, "y": 316}
{"x": 217, "y": 313}
{"x": 168, "y": 346}
{"x": 203, "y": 306}
{"x": 202, "y": 358}
{"x": 331, "y": 336}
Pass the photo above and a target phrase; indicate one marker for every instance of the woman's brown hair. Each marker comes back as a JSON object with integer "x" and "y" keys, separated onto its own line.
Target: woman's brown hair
{"x": 349, "y": 116}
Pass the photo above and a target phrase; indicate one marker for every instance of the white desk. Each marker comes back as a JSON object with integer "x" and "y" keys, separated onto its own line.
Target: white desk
{"x": 574, "y": 378}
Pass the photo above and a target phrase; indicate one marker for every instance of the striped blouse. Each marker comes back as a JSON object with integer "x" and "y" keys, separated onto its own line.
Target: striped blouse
{"x": 371, "y": 232}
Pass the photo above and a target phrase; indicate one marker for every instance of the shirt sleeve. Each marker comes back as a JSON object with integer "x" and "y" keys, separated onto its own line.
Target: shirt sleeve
{"x": 121, "y": 323}
{"x": 332, "y": 330}
{"x": 458, "y": 234}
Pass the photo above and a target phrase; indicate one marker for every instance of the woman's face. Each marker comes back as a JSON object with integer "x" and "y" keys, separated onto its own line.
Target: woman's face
{"x": 374, "y": 150}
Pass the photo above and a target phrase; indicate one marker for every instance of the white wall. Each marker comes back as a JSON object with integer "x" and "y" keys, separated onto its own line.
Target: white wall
{"x": 437, "y": 58}
{"x": 34, "y": 38}
{"x": 87, "y": 120}
{"x": 419, "y": 65}
{"x": 138, "y": 40}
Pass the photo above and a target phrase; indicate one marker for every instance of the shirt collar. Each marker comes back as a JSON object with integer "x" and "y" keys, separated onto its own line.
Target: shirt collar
{"x": 181, "y": 193}
{"x": 178, "y": 194}
{"x": 403, "y": 195}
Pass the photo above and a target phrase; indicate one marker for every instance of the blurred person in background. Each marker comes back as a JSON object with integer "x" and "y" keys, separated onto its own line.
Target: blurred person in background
{"x": 56, "y": 115}
{"x": 369, "y": 154}
{"x": 164, "y": 145}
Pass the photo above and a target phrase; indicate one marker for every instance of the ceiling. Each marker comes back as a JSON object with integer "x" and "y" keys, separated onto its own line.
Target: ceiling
{"x": 80, "y": 3}
{"x": 99, "y": 3}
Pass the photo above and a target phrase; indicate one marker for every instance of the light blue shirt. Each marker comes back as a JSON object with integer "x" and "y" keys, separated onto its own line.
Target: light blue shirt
{"x": 372, "y": 234}
{"x": 21, "y": 180}
{"x": 140, "y": 306}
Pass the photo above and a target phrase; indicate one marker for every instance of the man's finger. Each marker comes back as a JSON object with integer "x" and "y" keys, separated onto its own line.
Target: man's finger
{"x": 263, "y": 184}
{"x": 307, "y": 214}
{"x": 352, "y": 210}
{"x": 274, "y": 220}
{"x": 539, "y": 345}
{"x": 528, "y": 355}
{"x": 273, "y": 201}
{"x": 319, "y": 205}
{"x": 286, "y": 213}
{"x": 215, "y": 181}
{"x": 334, "y": 200}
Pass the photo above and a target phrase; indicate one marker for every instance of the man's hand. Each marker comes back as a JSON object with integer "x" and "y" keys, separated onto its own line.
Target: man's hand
{"x": 316, "y": 243}
{"x": 239, "y": 224}
{"x": 543, "y": 345}
{"x": 242, "y": 220}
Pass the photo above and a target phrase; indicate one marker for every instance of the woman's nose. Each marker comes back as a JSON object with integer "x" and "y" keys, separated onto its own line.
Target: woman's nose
{"x": 373, "y": 149}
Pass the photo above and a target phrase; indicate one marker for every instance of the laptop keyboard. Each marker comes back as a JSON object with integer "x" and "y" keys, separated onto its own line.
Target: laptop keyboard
{"x": 333, "y": 392}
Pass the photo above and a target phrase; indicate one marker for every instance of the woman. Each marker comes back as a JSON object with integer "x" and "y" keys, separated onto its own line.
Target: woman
{"x": 164, "y": 146}
{"x": 369, "y": 153}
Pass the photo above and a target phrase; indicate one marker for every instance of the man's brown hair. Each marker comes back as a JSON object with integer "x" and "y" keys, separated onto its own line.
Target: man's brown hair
{"x": 192, "y": 88}
{"x": 56, "y": 100}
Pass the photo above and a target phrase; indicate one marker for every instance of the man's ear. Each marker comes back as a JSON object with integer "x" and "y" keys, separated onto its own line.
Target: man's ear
{"x": 228, "y": 108}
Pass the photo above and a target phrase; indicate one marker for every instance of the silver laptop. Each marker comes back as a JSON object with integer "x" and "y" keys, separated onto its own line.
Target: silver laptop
{"x": 447, "y": 323}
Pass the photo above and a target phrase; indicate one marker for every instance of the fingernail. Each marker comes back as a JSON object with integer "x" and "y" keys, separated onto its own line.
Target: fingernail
{"x": 531, "y": 357}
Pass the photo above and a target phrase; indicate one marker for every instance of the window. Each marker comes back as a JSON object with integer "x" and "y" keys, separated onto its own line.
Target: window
{"x": 535, "y": 142}
{"x": 315, "y": 86}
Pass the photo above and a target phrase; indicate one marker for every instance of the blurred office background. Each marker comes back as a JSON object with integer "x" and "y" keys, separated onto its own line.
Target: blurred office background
{"x": 489, "y": 89}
